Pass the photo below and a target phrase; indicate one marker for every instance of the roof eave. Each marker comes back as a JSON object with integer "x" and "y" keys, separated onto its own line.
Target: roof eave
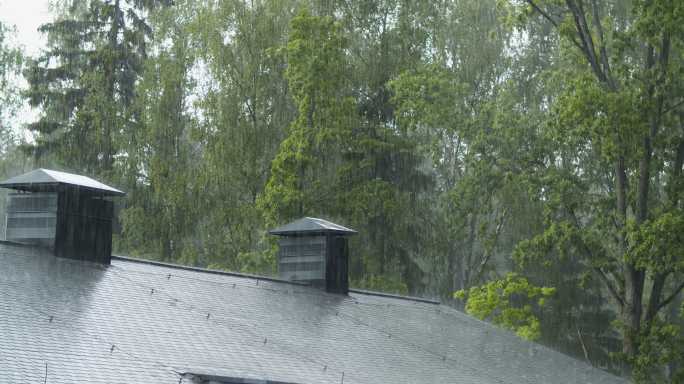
{"x": 50, "y": 187}
{"x": 312, "y": 233}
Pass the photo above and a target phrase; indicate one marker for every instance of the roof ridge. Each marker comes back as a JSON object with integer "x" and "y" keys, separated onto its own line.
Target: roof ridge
{"x": 207, "y": 270}
{"x": 395, "y": 296}
{"x": 267, "y": 278}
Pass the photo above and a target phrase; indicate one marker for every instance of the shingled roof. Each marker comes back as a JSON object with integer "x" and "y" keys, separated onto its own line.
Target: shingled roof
{"x": 66, "y": 321}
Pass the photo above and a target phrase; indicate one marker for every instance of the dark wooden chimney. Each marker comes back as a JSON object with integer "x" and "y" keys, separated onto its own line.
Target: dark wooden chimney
{"x": 78, "y": 226}
{"x": 315, "y": 251}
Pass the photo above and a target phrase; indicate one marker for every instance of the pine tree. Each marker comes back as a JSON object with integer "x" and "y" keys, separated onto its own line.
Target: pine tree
{"x": 84, "y": 83}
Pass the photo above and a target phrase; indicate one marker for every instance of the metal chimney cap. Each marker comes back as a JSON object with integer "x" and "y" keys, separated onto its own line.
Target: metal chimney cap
{"x": 47, "y": 180}
{"x": 311, "y": 225}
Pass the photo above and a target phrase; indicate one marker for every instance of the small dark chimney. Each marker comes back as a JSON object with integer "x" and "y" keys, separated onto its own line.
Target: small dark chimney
{"x": 69, "y": 213}
{"x": 315, "y": 251}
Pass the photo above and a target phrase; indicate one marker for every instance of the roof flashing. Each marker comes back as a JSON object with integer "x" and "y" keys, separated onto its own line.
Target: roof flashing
{"x": 394, "y": 296}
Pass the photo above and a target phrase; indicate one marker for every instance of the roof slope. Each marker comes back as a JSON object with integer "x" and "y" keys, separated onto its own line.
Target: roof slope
{"x": 134, "y": 322}
{"x": 311, "y": 225}
{"x": 41, "y": 177}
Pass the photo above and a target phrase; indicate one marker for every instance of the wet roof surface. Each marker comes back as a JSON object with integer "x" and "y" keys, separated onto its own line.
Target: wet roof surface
{"x": 38, "y": 177}
{"x": 136, "y": 322}
{"x": 311, "y": 225}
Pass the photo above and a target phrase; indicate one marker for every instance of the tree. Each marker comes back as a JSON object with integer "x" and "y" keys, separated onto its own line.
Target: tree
{"x": 246, "y": 109}
{"x": 84, "y": 83}
{"x": 617, "y": 121}
{"x": 299, "y": 183}
{"x": 162, "y": 204}
{"x": 11, "y": 61}
{"x": 383, "y": 174}
{"x": 460, "y": 106}
{"x": 495, "y": 301}
{"x": 12, "y": 159}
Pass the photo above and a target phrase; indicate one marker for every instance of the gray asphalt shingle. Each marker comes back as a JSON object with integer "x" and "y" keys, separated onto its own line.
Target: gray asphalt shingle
{"x": 136, "y": 322}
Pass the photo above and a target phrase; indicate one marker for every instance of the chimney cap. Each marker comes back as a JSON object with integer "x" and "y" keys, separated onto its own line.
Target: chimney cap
{"x": 47, "y": 180}
{"x": 311, "y": 225}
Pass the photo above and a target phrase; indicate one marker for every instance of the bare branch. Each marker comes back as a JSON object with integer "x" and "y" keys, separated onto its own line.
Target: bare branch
{"x": 656, "y": 293}
{"x": 584, "y": 347}
{"x": 602, "y": 43}
{"x": 671, "y": 297}
{"x": 488, "y": 253}
{"x": 544, "y": 14}
{"x": 577, "y": 10}
{"x": 551, "y": 20}
{"x": 664, "y": 56}
{"x": 610, "y": 285}
{"x": 673, "y": 107}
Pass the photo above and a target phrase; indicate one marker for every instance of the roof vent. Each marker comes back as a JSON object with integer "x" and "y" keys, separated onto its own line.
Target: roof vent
{"x": 69, "y": 213}
{"x": 315, "y": 251}
{"x": 31, "y": 218}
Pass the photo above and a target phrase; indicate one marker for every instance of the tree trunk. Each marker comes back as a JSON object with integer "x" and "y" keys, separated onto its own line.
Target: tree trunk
{"x": 454, "y": 267}
{"x": 631, "y": 311}
{"x": 633, "y": 279}
{"x": 466, "y": 264}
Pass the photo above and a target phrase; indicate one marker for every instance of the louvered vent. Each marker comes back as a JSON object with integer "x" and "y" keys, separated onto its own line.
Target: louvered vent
{"x": 302, "y": 258}
{"x": 31, "y": 218}
{"x": 314, "y": 251}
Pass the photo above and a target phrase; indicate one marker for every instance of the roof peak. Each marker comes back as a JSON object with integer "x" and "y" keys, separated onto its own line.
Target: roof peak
{"x": 308, "y": 225}
{"x": 42, "y": 179}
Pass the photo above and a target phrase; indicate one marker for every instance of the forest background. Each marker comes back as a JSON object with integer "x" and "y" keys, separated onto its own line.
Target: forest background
{"x": 521, "y": 160}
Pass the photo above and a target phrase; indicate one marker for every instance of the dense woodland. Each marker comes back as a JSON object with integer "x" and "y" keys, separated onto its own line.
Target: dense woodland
{"x": 521, "y": 160}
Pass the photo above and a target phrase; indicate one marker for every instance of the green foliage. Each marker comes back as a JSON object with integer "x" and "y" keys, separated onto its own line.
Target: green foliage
{"x": 658, "y": 243}
{"x": 558, "y": 239}
{"x": 315, "y": 74}
{"x": 12, "y": 159}
{"x": 426, "y": 101}
{"x": 660, "y": 345}
{"x": 243, "y": 109}
{"x": 84, "y": 83}
{"x": 508, "y": 303}
{"x": 11, "y": 62}
{"x": 162, "y": 208}
{"x": 381, "y": 283}
{"x": 610, "y": 140}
